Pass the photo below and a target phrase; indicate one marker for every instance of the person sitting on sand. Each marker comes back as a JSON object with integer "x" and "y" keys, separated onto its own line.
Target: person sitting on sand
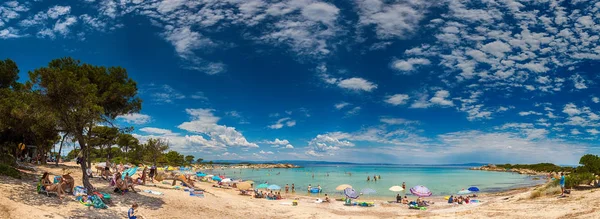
{"x": 142, "y": 179}
{"x": 278, "y": 195}
{"x": 129, "y": 182}
{"x": 48, "y": 186}
{"x": 327, "y": 198}
{"x": 405, "y": 200}
{"x": 398, "y": 198}
{"x": 451, "y": 199}
{"x": 467, "y": 199}
{"x": 131, "y": 213}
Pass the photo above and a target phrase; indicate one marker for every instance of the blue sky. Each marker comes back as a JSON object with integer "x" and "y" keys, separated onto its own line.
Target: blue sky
{"x": 403, "y": 81}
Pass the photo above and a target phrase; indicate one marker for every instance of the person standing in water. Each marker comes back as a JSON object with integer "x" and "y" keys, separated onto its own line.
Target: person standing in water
{"x": 368, "y": 178}
{"x": 287, "y": 188}
{"x": 404, "y": 185}
{"x": 309, "y": 188}
{"x": 293, "y": 188}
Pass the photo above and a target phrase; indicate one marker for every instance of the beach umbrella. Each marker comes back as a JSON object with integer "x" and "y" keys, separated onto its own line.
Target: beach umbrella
{"x": 243, "y": 186}
{"x": 216, "y": 178}
{"x": 420, "y": 191}
{"x": 396, "y": 189}
{"x": 201, "y": 174}
{"x": 274, "y": 187}
{"x": 342, "y": 187}
{"x": 262, "y": 186}
{"x": 464, "y": 192}
{"x": 221, "y": 176}
{"x": 368, "y": 191}
{"x": 473, "y": 189}
{"x": 350, "y": 193}
{"x": 226, "y": 180}
{"x": 209, "y": 176}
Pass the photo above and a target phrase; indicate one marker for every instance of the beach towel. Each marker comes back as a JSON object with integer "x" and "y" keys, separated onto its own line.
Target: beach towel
{"x": 98, "y": 203}
{"x": 153, "y": 192}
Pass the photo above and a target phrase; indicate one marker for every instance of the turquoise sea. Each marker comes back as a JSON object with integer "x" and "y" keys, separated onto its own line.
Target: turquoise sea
{"x": 441, "y": 180}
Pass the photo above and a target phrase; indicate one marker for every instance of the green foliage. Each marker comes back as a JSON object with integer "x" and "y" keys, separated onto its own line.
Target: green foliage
{"x": 103, "y": 137}
{"x": 174, "y": 158}
{"x": 576, "y": 179}
{"x": 154, "y": 149}
{"x": 82, "y": 95}
{"x": 199, "y": 160}
{"x": 189, "y": 159}
{"x": 590, "y": 164}
{"x": 540, "y": 167}
{"x": 9, "y": 73}
{"x": 9, "y": 171}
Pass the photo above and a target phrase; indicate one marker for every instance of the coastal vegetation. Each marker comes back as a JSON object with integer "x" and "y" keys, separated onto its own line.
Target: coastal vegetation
{"x": 69, "y": 102}
{"x": 540, "y": 167}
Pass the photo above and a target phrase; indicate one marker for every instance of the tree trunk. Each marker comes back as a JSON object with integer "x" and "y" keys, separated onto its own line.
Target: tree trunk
{"x": 60, "y": 148}
{"x": 84, "y": 165}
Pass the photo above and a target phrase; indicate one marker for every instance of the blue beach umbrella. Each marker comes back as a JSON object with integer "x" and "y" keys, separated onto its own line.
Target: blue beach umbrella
{"x": 262, "y": 186}
{"x": 351, "y": 193}
{"x": 473, "y": 189}
{"x": 216, "y": 178}
{"x": 274, "y": 187}
{"x": 368, "y": 191}
{"x": 201, "y": 174}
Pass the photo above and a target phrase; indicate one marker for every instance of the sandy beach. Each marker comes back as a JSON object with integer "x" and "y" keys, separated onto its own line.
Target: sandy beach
{"x": 18, "y": 199}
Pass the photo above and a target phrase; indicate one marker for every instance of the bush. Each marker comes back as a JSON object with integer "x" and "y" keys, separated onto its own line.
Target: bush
{"x": 576, "y": 179}
{"x": 9, "y": 171}
{"x": 540, "y": 167}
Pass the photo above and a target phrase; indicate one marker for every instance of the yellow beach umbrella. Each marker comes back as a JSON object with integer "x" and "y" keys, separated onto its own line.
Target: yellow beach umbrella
{"x": 243, "y": 186}
{"x": 342, "y": 187}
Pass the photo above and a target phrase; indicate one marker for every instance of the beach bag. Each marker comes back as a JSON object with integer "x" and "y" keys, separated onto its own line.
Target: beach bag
{"x": 98, "y": 203}
{"x": 79, "y": 190}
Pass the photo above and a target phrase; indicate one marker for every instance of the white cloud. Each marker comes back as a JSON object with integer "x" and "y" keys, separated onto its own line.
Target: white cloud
{"x": 578, "y": 81}
{"x": 267, "y": 152}
{"x": 391, "y": 20}
{"x": 440, "y": 98}
{"x": 328, "y": 142}
{"x": 397, "y": 99}
{"x": 199, "y": 96}
{"x": 575, "y": 132}
{"x": 421, "y": 102}
{"x": 593, "y": 131}
{"x": 409, "y": 64}
{"x": 205, "y": 122}
{"x": 527, "y": 113}
{"x": 57, "y": 11}
{"x": 571, "y": 109}
{"x": 595, "y": 99}
{"x": 341, "y": 105}
{"x": 10, "y": 33}
{"x": 135, "y": 118}
{"x": 397, "y": 121}
{"x": 158, "y": 131}
{"x": 165, "y": 94}
{"x": 496, "y": 48}
{"x": 357, "y": 84}
{"x": 287, "y": 121}
{"x": 62, "y": 26}
{"x": 353, "y": 111}
{"x": 322, "y": 12}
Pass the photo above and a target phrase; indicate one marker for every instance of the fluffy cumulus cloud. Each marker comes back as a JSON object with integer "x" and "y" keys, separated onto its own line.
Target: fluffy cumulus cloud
{"x": 357, "y": 84}
{"x": 135, "y": 118}
{"x": 280, "y": 143}
{"x": 205, "y": 122}
{"x": 441, "y": 98}
{"x": 328, "y": 143}
{"x": 397, "y": 99}
{"x": 409, "y": 64}
{"x": 391, "y": 19}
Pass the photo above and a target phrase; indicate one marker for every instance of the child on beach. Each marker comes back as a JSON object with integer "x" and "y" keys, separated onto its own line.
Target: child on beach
{"x": 131, "y": 213}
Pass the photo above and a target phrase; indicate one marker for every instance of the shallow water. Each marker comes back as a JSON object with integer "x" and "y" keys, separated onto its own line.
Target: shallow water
{"x": 440, "y": 180}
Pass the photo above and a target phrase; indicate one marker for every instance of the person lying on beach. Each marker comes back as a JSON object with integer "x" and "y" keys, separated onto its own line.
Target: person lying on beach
{"x": 48, "y": 186}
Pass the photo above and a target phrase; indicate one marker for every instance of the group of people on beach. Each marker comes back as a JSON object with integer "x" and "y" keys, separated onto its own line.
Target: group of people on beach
{"x": 459, "y": 200}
